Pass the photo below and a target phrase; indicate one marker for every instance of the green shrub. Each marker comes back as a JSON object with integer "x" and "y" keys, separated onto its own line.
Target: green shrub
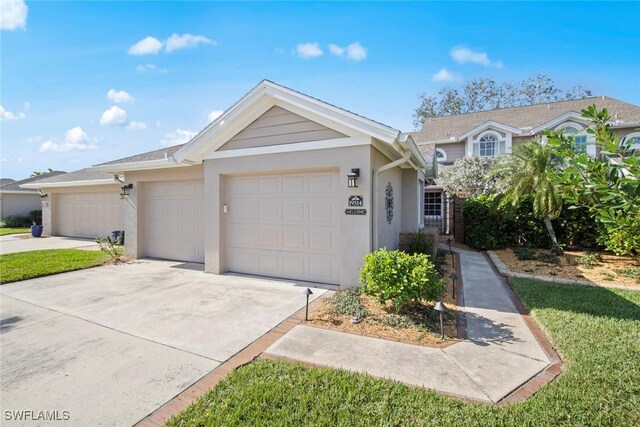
{"x": 485, "y": 227}
{"x": 348, "y": 303}
{"x": 400, "y": 278}
{"x": 548, "y": 257}
{"x": 35, "y": 217}
{"x": 423, "y": 243}
{"x": 589, "y": 259}
{"x": 524, "y": 254}
{"x": 17, "y": 221}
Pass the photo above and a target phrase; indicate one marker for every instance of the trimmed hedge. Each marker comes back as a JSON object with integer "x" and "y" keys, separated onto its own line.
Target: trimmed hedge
{"x": 486, "y": 227}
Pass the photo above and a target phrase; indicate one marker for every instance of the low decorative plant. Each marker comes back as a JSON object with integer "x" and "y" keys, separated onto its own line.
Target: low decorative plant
{"x": 112, "y": 246}
{"x": 524, "y": 254}
{"x": 348, "y": 303}
{"x": 589, "y": 259}
{"x": 548, "y": 257}
{"x": 400, "y": 278}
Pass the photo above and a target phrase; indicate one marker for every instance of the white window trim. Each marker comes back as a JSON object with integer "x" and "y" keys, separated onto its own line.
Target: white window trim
{"x": 444, "y": 155}
{"x": 582, "y": 131}
{"x": 633, "y": 135}
{"x": 507, "y": 141}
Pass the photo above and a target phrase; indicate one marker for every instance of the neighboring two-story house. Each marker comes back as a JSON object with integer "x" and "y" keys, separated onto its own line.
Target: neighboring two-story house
{"x": 494, "y": 132}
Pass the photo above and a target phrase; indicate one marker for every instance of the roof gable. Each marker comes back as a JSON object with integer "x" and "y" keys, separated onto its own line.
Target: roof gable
{"x": 265, "y": 96}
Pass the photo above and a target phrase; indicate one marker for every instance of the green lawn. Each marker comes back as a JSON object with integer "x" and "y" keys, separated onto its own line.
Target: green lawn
{"x": 4, "y": 231}
{"x": 596, "y": 330}
{"x": 27, "y": 265}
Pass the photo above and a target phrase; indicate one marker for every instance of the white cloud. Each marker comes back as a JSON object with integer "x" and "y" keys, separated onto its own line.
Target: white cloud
{"x": 75, "y": 140}
{"x": 463, "y": 55}
{"x": 356, "y": 52}
{"x": 134, "y": 125}
{"x": 113, "y": 116}
{"x": 119, "y": 96}
{"x": 214, "y": 115}
{"x": 177, "y": 41}
{"x": 12, "y": 160}
{"x": 308, "y": 50}
{"x": 336, "y": 50}
{"x": 9, "y": 116}
{"x": 180, "y": 136}
{"x": 145, "y": 67}
{"x": 13, "y": 14}
{"x": 445, "y": 75}
{"x": 147, "y": 46}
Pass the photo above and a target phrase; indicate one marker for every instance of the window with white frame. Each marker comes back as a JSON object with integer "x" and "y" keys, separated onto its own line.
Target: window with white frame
{"x": 579, "y": 138}
{"x": 489, "y": 144}
{"x": 433, "y": 204}
{"x": 633, "y": 142}
{"x": 441, "y": 155}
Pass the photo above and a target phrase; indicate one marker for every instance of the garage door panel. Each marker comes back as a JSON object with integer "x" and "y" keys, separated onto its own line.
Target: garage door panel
{"x": 88, "y": 215}
{"x": 175, "y": 220}
{"x": 285, "y": 226}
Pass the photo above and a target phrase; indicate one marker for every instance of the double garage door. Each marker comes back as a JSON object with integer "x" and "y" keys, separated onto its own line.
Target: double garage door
{"x": 88, "y": 215}
{"x": 174, "y": 220}
{"x": 285, "y": 226}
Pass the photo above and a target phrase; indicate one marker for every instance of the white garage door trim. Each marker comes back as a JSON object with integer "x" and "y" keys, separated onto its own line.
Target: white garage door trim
{"x": 285, "y": 226}
{"x": 174, "y": 220}
{"x": 88, "y": 215}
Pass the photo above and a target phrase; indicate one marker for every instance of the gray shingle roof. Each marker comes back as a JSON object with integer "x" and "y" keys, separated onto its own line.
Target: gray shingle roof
{"x": 441, "y": 128}
{"x": 86, "y": 174}
{"x": 15, "y": 185}
{"x": 150, "y": 155}
{"x": 5, "y": 181}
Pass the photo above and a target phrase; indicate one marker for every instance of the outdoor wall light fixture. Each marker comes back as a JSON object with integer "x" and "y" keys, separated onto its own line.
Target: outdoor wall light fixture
{"x": 352, "y": 178}
{"x": 43, "y": 195}
{"x": 125, "y": 190}
{"x": 307, "y": 292}
{"x": 440, "y": 308}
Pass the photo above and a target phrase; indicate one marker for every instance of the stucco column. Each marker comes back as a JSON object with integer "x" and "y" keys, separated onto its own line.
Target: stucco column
{"x": 46, "y": 213}
{"x": 132, "y": 233}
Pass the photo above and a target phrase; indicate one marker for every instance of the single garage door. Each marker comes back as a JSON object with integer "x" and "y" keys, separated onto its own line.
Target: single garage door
{"x": 88, "y": 214}
{"x": 175, "y": 220}
{"x": 285, "y": 226}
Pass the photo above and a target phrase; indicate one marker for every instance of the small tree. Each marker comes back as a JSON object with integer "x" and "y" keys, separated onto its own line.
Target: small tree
{"x": 528, "y": 172}
{"x": 608, "y": 186}
{"x": 112, "y": 246}
{"x": 468, "y": 174}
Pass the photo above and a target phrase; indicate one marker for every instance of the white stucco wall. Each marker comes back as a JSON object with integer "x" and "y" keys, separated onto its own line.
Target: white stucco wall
{"x": 18, "y": 204}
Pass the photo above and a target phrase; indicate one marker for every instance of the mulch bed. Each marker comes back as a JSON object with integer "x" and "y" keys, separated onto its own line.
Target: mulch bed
{"x": 426, "y": 333}
{"x": 603, "y": 272}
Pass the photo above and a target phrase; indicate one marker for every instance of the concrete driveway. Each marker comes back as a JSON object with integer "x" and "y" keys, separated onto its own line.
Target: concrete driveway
{"x": 111, "y": 344}
{"x": 24, "y": 243}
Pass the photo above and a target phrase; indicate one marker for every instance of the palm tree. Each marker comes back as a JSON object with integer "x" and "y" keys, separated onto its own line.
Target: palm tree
{"x": 38, "y": 173}
{"x": 527, "y": 172}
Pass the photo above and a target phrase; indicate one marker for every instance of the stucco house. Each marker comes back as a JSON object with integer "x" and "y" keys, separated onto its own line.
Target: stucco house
{"x": 281, "y": 185}
{"x": 16, "y": 200}
{"x": 494, "y": 132}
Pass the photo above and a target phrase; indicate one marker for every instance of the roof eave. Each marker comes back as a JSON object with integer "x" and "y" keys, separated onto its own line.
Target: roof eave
{"x": 82, "y": 183}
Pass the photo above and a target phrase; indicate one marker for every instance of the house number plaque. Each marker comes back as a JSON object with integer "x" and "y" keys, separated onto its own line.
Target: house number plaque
{"x": 356, "y": 201}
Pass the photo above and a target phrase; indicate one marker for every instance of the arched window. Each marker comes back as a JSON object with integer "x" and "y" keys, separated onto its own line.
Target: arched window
{"x": 579, "y": 137}
{"x": 633, "y": 141}
{"x": 487, "y": 145}
{"x": 441, "y": 155}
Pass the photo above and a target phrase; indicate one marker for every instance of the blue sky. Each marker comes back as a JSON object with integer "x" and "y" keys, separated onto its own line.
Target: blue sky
{"x": 60, "y": 60}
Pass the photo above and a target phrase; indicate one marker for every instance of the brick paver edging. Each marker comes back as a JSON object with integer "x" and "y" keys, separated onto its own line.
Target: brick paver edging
{"x": 461, "y": 319}
{"x": 502, "y": 268}
{"x": 180, "y": 402}
{"x": 555, "y": 366}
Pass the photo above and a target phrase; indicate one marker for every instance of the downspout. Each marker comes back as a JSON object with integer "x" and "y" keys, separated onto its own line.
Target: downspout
{"x": 405, "y": 158}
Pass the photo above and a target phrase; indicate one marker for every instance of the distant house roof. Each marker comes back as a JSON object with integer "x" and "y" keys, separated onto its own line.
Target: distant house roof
{"x": 86, "y": 176}
{"x": 16, "y": 186}
{"x": 5, "y": 181}
{"x": 150, "y": 155}
{"x": 527, "y": 117}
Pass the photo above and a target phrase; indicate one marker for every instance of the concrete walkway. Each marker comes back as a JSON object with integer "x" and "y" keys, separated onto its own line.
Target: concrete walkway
{"x": 500, "y": 354}
{"x": 20, "y": 243}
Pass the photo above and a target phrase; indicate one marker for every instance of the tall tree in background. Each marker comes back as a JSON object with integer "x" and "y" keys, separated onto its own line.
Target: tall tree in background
{"x": 38, "y": 173}
{"x": 485, "y": 94}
